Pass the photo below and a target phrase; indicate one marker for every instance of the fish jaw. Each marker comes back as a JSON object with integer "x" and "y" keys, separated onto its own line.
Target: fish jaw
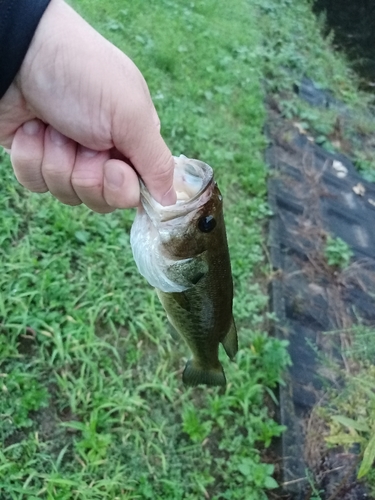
{"x": 196, "y": 176}
{"x": 160, "y": 269}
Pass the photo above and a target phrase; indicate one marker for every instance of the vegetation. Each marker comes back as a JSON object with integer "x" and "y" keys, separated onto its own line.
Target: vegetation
{"x": 92, "y": 404}
{"x": 354, "y": 29}
{"x": 348, "y": 127}
{"x": 350, "y": 408}
{"x": 337, "y": 252}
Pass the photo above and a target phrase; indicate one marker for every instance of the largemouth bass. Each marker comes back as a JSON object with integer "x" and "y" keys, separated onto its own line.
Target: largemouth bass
{"x": 182, "y": 251}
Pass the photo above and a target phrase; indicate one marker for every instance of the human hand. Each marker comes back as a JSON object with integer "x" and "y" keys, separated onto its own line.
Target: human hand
{"x": 79, "y": 120}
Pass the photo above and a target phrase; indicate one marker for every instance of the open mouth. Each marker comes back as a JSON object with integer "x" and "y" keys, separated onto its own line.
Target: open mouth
{"x": 193, "y": 182}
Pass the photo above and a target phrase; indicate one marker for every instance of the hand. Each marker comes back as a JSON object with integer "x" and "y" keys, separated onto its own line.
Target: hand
{"x": 79, "y": 120}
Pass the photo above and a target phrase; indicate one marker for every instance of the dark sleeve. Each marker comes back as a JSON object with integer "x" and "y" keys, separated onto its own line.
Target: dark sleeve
{"x": 18, "y": 22}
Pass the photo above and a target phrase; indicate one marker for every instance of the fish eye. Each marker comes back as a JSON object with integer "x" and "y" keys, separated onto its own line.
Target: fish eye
{"x": 206, "y": 224}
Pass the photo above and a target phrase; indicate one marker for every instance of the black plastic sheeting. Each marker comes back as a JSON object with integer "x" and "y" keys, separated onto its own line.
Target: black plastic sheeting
{"x": 312, "y": 194}
{"x": 315, "y": 96}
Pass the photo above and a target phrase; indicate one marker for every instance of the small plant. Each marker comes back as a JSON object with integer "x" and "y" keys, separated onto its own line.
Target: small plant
{"x": 366, "y": 168}
{"x": 357, "y": 428}
{"x": 337, "y": 252}
{"x": 315, "y": 492}
{"x": 351, "y": 411}
{"x": 196, "y": 429}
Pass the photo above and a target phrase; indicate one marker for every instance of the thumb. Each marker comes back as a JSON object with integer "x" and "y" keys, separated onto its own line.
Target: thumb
{"x": 136, "y": 133}
{"x": 155, "y": 164}
{"x": 145, "y": 148}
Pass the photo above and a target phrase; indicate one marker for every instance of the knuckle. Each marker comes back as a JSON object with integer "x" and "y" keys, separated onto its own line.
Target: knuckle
{"x": 33, "y": 185}
{"x": 23, "y": 163}
{"x": 88, "y": 183}
{"x": 53, "y": 170}
{"x": 37, "y": 187}
{"x": 29, "y": 176}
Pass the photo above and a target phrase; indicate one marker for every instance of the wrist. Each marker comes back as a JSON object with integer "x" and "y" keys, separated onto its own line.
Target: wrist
{"x": 18, "y": 23}
{"x": 41, "y": 44}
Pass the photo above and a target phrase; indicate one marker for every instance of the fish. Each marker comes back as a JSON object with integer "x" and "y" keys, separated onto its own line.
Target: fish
{"x": 182, "y": 251}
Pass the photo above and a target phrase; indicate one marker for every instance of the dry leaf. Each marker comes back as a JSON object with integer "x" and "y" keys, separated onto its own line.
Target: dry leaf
{"x": 341, "y": 170}
{"x": 359, "y": 189}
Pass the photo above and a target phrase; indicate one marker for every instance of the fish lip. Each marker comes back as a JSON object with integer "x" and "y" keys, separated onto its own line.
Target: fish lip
{"x": 159, "y": 213}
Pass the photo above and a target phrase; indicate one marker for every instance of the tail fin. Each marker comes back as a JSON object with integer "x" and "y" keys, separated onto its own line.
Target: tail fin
{"x": 194, "y": 374}
{"x": 230, "y": 341}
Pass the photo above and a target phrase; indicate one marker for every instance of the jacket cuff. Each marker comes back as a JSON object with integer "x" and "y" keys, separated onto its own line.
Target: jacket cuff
{"x": 18, "y": 22}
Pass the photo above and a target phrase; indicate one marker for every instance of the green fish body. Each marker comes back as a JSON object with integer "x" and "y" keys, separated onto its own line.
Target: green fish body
{"x": 182, "y": 251}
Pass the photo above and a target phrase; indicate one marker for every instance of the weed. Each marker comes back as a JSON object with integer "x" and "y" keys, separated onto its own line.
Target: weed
{"x": 315, "y": 492}
{"x": 349, "y": 425}
{"x": 337, "y": 252}
{"x": 350, "y": 411}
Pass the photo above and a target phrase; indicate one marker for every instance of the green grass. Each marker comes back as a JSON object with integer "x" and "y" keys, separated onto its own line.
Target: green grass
{"x": 92, "y": 403}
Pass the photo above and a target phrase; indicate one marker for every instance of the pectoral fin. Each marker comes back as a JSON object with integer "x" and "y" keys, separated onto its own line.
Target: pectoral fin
{"x": 188, "y": 272}
{"x": 230, "y": 341}
{"x": 195, "y": 374}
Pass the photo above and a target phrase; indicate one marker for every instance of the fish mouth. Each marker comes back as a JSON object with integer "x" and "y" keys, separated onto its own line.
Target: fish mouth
{"x": 193, "y": 182}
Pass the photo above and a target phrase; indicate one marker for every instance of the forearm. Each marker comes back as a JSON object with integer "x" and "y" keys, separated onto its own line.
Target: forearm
{"x": 18, "y": 22}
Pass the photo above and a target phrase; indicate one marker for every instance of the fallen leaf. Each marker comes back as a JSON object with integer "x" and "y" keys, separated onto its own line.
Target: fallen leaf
{"x": 359, "y": 189}
{"x": 341, "y": 170}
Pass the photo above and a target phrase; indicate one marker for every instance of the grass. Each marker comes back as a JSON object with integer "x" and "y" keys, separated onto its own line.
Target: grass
{"x": 92, "y": 404}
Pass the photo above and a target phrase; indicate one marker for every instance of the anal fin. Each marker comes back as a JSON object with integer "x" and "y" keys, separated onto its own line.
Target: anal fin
{"x": 230, "y": 341}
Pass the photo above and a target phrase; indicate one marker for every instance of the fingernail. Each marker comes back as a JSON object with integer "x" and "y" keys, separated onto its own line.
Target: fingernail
{"x": 57, "y": 138}
{"x": 32, "y": 127}
{"x": 89, "y": 153}
{"x": 114, "y": 176}
{"x": 169, "y": 198}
